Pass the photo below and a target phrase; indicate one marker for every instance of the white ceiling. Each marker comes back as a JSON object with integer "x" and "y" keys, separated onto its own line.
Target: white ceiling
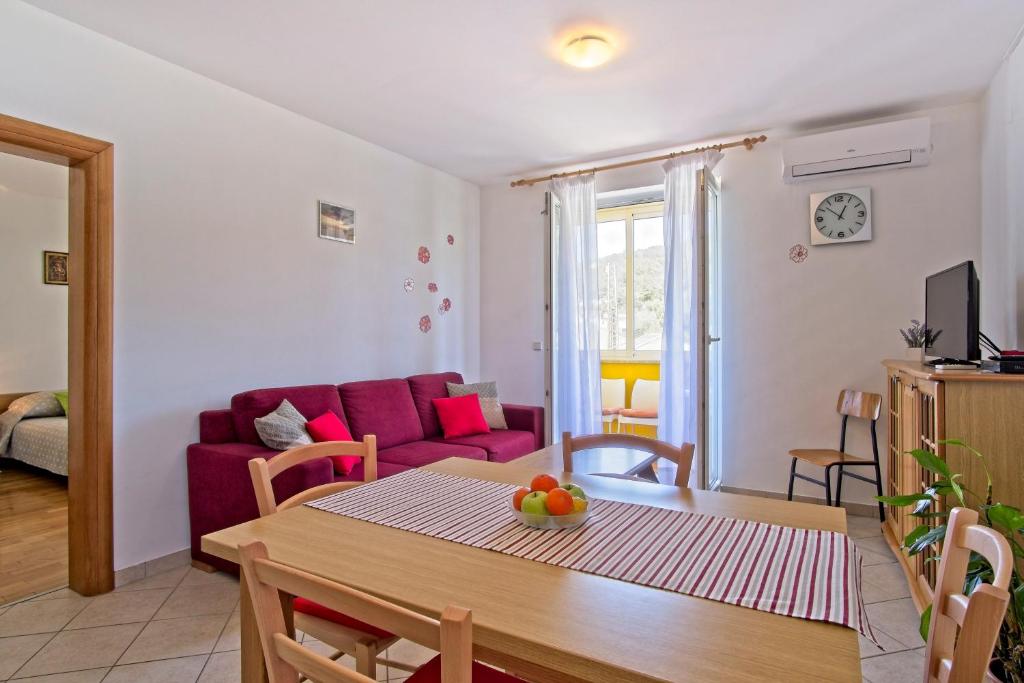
{"x": 471, "y": 87}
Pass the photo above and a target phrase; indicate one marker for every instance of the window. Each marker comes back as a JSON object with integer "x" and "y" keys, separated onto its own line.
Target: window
{"x": 631, "y": 272}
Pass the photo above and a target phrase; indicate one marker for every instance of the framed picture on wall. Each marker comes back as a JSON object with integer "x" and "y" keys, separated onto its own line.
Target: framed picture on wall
{"x": 337, "y": 223}
{"x": 55, "y": 268}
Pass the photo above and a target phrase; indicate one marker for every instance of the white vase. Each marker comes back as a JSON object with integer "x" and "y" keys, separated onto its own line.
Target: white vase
{"x": 915, "y": 354}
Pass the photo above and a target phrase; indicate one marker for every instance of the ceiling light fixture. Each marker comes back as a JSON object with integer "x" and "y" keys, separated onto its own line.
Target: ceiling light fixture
{"x": 587, "y": 51}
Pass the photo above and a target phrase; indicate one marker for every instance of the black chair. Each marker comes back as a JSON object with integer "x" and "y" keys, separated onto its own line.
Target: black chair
{"x": 856, "y": 404}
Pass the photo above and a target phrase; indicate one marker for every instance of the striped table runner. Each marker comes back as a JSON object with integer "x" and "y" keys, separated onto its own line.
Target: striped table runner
{"x": 803, "y": 573}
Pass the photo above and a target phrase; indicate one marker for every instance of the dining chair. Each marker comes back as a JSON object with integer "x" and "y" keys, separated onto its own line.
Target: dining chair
{"x": 964, "y": 658}
{"x": 613, "y": 400}
{"x": 643, "y": 405}
{"x": 681, "y": 456}
{"x": 349, "y": 636}
{"x": 858, "y": 405}
{"x": 287, "y": 660}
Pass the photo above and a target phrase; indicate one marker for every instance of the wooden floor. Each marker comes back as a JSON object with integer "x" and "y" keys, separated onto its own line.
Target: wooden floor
{"x": 33, "y": 531}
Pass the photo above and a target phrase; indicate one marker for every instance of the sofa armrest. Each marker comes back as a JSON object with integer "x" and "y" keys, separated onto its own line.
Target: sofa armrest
{"x": 220, "y": 491}
{"x": 216, "y": 426}
{"x": 527, "y": 419}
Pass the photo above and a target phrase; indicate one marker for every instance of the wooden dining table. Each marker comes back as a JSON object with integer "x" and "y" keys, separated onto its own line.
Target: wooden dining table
{"x": 549, "y": 624}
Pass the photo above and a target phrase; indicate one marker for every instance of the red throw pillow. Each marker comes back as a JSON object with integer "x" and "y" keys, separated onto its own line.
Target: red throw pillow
{"x": 460, "y": 416}
{"x": 329, "y": 427}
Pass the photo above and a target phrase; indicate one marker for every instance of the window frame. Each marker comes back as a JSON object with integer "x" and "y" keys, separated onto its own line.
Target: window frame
{"x": 629, "y": 213}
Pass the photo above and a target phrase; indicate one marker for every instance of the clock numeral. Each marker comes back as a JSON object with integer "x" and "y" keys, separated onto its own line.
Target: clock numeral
{"x": 820, "y": 219}
{"x": 860, "y": 214}
{"x": 842, "y": 235}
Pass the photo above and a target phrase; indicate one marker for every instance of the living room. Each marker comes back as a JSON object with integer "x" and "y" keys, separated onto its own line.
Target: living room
{"x": 321, "y": 197}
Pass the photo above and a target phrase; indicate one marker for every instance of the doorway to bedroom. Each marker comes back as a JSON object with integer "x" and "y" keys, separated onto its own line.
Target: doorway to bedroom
{"x": 33, "y": 377}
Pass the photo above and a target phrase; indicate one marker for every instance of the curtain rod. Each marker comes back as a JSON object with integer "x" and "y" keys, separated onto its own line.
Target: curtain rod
{"x": 745, "y": 142}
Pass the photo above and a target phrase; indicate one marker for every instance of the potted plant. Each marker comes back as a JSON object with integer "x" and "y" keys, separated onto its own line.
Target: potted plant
{"x": 1008, "y": 656}
{"x": 917, "y": 337}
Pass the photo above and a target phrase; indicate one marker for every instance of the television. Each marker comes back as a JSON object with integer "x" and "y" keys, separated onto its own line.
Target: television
{"x": 952, "y": 311}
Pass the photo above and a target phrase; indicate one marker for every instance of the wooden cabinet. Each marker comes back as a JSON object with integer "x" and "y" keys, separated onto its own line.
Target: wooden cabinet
{"x": 926, "y": 406}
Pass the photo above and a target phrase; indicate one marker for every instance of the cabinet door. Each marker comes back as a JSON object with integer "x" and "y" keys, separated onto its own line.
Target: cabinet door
{"x": 910, "y": 472}
{"x": 930, "y": 431}
{"x": 894, "y": 451}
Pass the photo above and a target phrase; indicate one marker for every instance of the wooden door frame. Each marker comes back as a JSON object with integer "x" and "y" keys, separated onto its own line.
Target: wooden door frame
{"x": 90, "y": 165}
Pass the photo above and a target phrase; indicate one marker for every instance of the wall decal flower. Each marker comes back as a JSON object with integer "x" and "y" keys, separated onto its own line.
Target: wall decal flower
{"x": 798, "y": 253}
{"x": 431, "y": 287}
{"x": 425, "y": 324}
{"x": 451, "y": 239}
{"x": 409, "y": 284}
{"x": 424, "y": 255}
{"x": 444, "y": 306}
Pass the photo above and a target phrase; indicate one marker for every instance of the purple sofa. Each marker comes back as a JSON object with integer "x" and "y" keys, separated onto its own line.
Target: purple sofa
{"x": 398, "y": 411}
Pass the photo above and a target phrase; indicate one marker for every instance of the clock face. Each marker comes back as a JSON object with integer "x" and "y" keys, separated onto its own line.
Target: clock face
{"x": 840, "y": 216}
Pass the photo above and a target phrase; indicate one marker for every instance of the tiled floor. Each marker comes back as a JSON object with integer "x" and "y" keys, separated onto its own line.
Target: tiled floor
{"x": 182, "y": 627}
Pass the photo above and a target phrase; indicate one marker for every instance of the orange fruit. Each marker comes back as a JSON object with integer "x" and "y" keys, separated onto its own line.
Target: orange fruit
{"x": 579, "y": 504}
{"x": 517, "y": 498}
{"x": 543, "y": 482}
{"x": 559, "y": 501}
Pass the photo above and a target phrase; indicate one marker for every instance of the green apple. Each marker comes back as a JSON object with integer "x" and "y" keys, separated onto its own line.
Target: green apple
{"x": 575, "y": 491}
{"x": 535, "y": 503}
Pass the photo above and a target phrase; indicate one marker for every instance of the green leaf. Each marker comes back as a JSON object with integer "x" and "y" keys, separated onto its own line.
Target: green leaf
{"x": 901, "y": 501}
{"x": 926, "y": 620}
{"x": 931, "y": 462}
{"x": 922, "y": 505}
{"x": 1006, "y": 516}
{"x": 931, "y": 515}
{"x": 926, "y": 539}
{"x": 917, "y": 533}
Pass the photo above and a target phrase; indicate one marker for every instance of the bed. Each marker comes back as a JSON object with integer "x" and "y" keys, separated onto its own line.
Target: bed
{"x": 34, "y": 430}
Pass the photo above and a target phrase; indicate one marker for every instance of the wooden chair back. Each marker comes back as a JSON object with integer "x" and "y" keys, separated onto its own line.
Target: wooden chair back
{"x": 286, "y": 660}
{"x": 964, "y": 658}
{"x": 263, "y": 471}
{"x": 860, "y": 404}
{"x": 682, "y": 456}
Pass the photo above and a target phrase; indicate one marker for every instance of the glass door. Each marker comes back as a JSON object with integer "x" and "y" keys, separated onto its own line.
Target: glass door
{"x": 709, "y": 419}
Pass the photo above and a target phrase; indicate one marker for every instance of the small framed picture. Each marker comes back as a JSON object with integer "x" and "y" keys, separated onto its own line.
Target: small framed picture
{"x": 337, "y": 223}
{"x": 55, "y": 268}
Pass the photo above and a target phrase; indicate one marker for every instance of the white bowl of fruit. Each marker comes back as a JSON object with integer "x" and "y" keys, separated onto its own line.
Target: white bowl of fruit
{"x": 548, "y": 505}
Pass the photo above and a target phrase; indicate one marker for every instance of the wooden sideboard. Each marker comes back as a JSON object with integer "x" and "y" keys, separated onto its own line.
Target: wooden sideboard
{"x": 925, "y": 406}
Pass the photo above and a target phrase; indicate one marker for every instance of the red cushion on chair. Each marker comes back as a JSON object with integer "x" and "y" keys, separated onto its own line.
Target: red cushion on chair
{"x": 461, "y": 416}
{"x": 315, "y": 609}
{"x": 630, "y": 412}
{"x": 329, "y": 427}
{"x": 431, "y": 673}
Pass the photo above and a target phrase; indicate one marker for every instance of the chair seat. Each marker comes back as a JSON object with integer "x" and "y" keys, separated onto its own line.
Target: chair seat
{"x": 315, "y": 609}
{"x": 645, "y": 414}
{"x": 431, "y": 673}
{"x": 823, "y": 457}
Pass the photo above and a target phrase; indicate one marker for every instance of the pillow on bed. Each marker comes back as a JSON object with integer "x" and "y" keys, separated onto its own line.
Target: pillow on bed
{"x": 39, "y": 404}
{"x": 62, "y": 399}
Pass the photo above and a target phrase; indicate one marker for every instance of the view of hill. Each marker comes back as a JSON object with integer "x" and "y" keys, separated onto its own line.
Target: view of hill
{"x": 648, "y": 284}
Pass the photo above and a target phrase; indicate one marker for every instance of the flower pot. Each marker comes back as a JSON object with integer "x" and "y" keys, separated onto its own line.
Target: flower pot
{"x": 915, "y": 354}
{"x": 994, "y": 666}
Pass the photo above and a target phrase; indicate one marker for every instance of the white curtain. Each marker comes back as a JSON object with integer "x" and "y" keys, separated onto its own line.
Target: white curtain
{"x": 677, "y": 402}
{"x": 576, "y": 359}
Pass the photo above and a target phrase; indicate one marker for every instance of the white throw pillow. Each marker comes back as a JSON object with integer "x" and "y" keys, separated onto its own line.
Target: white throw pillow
{"x": 284, "y": 428}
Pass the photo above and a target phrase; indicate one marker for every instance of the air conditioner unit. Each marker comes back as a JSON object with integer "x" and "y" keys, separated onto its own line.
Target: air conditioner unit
{"x": 878, "y": 147}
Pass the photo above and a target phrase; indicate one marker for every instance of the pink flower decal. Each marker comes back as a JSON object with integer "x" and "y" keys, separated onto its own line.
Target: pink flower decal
{"x": 409, "y": 284}
{"x": 425, "y": 324}
{"x": 432, "y": 287}
{"x": 451, "y": 239}
{"x": 798, "y": 253}
{"x": 424, "y": 255}
{"x": 444, "y": 306}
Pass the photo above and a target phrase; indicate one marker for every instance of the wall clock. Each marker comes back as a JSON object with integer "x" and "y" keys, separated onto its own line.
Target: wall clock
{"x": 841, "y": 216}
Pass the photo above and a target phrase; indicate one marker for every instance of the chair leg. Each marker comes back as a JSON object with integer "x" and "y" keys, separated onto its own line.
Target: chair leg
{"x": 839, "y": 486}
{"x": 828, "y": 486}
{"x": 366, "y": 659}
{"x": 792, "y": 476}
{"x": 878, "y": 487}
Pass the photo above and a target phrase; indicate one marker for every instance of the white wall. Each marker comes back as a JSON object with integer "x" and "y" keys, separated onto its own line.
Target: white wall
{"x": 221, "y": 283}
{"x": 794, "y": 334}
{"x": 33, "y": 219}
{"x": 1002, "y": 206}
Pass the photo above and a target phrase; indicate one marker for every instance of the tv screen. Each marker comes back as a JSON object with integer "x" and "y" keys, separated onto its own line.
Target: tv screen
{"x": 951, "y": 312}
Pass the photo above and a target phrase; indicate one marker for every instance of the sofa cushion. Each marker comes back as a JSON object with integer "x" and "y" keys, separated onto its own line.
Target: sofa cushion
{"x": 489, "y": 403}
{"x": 384, "y": 469}
{"x": 310, "y": 400}
{"x": 501, "y": 445}
{"x": 329, "y": 427}
{"x": 461, "y": 416}
{"x": 420, "y": 453}
{"x": 283, "y": 428}
{"x": 383, "y": 407}
{"x": 424, "y": 388}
